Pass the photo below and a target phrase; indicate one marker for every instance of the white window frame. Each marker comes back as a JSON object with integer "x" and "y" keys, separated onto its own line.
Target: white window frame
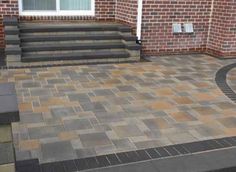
{"x": 57, "y": 12}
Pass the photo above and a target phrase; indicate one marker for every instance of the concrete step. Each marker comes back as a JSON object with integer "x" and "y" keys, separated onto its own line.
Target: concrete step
{"x": 12, "y": 39}
{"x": 12, "y": 50}
{"x": 41, "y": 27}
{"x": 26, "y": 44}
{"x": 11, "y": 30}
{"x": 73, "y": 46}
{"x": 83, "y": 55}
{"x": 46, "y": 38}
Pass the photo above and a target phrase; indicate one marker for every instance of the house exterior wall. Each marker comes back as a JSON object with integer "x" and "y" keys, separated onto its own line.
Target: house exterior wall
{"x": 214, "y": 23}
{"x": 158, "y": 17}
{"x": 222, "y": 36}
{"x": 126, "y": 11}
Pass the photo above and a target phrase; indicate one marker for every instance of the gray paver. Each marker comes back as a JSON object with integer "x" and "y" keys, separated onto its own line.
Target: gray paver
{"x": 57, "y": 151}
{"x": 94, "y": 139}
{"x": 45, "y": 132}
{"x": 77, "y": 124}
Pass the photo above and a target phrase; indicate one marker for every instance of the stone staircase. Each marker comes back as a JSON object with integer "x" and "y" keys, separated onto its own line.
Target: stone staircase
{"x": 83, "y": 42}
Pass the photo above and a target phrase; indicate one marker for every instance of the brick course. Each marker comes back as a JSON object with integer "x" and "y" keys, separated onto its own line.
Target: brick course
{"x": 215, "y": 26}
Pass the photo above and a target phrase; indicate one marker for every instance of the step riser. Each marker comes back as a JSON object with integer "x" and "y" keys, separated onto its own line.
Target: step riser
{"x": 12, "y": 42}
{"x": 90, "y": 47}
{"x": 48, "y": 39}
{"x": 84, "y": 57}
{"x": 11, "y": 32}
{"x": 43, "y": 39}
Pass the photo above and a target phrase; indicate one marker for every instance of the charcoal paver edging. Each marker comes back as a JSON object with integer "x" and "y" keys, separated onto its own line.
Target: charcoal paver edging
{"x": 128, "y": 157}
{"x": 221, "y": 81}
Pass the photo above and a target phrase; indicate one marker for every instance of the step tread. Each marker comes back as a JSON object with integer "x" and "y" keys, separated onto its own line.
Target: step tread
{"x": 72, "y": 46}
{"x": 75, "y": 56}
{"x": 72, "y": 27}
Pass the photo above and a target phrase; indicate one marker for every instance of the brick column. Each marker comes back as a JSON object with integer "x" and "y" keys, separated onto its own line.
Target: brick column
{"x": 7, "y": 8}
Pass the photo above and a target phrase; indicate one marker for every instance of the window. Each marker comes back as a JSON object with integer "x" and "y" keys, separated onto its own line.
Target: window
{"x": 57, "y": 7}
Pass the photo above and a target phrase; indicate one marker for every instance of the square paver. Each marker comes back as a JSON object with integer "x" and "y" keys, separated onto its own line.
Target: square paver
{"x": 229, "y": 122}
{"x": 57, "y": 151}
{"x": 8, "y": 109}
{"x": 94, "y": 140}
{"x": 127, "y": 131}
{"x": 61, "y": 112}
{"x": 5, "y": 133}
{"x": 156, "y": 123}
{"x": 7, "y": 89}
{"x": 6, "y": 155}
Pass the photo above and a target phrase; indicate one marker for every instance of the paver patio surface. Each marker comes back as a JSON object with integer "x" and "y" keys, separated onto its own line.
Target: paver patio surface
{"x": 81, "y": 111}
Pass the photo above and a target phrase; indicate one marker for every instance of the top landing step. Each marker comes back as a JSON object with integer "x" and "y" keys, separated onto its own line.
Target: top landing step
{"x": 61, "y": 27}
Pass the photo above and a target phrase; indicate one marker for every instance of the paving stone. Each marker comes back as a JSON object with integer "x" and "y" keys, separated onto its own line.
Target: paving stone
{"x": 7, "y": 155}
{"x": 45, "y": 132}
{"x": 123, "y": 144}
{"x": 127, "y": 131}
{"x": 7, "y": 89}
{"x": 8, "y": 109}
{"x": 84, "y": 153}
{"x": 79, "y": 97}
{"x": 77, "y": 124}
{"x": 94, "y": 139}
{"x": 7, "y": 167}
{"x": 127, "y": 88}
{"x": 31, "y": 117}
{"x": 156, "y": 123}
{"x": 60, "y": 112}
{"x": 56, "y": 81}
{"x": 5, "y": 133}
{"x": 103, "y": 92}
{"x": 229, "y": 122}
{"x": 57, "y": 151}
{"x": 40, "y": 92}
{"x": 95, "y": 107}
{"x": 31, "y": 84}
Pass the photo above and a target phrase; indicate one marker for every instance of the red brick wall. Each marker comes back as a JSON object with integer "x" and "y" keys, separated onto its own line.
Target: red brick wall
{"x": 158, "y": 17}
{"x": 126, "y": 11}
{"x": 222, "y": 37}
{"x": 7, "y": 8}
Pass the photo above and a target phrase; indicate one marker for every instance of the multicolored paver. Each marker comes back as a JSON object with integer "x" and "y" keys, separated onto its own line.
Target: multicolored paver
{"x": 73, "y": 112}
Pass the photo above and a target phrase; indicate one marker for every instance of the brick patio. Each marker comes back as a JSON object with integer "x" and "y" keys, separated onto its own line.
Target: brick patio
{"x": 82, "y": 111}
